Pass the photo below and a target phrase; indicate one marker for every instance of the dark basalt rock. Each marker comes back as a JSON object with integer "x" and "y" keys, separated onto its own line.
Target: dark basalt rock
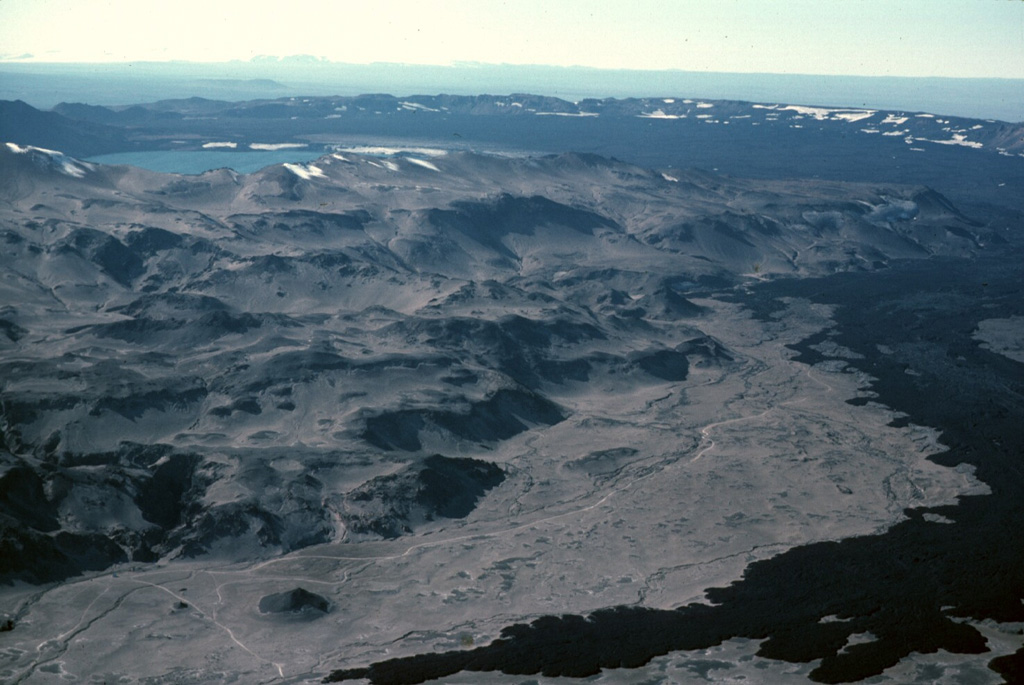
{"x": 11, "y": 330}
{"x": 294, "y": 601}
{"x": 34, "y": 547}
{"x": 668, "y": 365}
{"x": 109, "y": 254}
{"x": 489, "y": 222}
{"x": 162, "y": 499}
{"x": 437, "y": 487}
{"x": 150, "y": 240}
{"x": 504, "y": 414}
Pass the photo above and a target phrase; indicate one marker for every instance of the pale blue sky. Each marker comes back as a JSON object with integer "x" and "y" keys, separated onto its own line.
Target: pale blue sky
{"x": 963, "y": 38}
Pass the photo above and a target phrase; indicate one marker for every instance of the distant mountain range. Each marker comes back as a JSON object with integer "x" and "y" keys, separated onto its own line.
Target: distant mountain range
{"x": 745, "y": 139}
{"x": 149, "y": 126}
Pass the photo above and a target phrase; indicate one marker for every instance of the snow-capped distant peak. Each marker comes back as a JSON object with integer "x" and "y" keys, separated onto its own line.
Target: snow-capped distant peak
{"x": 66, "y": 165}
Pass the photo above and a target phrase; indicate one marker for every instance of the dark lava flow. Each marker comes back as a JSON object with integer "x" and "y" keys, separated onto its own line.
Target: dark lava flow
{"x": 911, "y": 587}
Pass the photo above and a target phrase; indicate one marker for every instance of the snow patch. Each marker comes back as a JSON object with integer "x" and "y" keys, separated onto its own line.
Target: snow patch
{"x": 423, "y": 163}
{"x": 417, "y": 106}
{"x": 380, "y": 151}
{"x": 305, "y": 171}
{"x": 826, "y": 113}
{"x": 66, "y": 165}
{"x": 568, "y": 114}
{"x": 276, "y": 146}
{"x": 958, "y": 139}
{"x": 673, "y": 179}
{"x": 660, "y": 114}
{"x": 223, "y": 144}
{"x": 854, "y": 115}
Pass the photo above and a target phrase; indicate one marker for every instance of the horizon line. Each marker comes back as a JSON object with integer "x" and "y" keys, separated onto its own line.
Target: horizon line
{"x": 314, "y": 61}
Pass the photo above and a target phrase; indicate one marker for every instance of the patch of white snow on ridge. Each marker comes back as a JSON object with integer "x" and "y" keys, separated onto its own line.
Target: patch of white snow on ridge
{"x": 423, "y": 163}
{"x": 306, "y": 172}
{"x": 380, "y": 151}
{"x": 825, "y": 113}
{"x": 705, "y": 105}
{"x": 276, "y": 146}
{"x": 416, "y": 105}
{"x": 66, "y": 165}
{"x": 958, "y": 139}
{"x": 568, "y": 114}
{"x": 893, "y": 119}
{"x": 668, "y": 101}
{"x": 854, "y": 115}
{"x": 226, "y": 144}
{"x": 660, "y": 114}
{"x": 673, "y": 179}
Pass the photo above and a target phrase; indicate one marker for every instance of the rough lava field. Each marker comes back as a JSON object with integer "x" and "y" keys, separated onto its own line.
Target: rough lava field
{"x": 504, "y": 419}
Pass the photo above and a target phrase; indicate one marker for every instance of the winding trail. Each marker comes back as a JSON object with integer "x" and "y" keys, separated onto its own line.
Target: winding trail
{"x": 212, "y": 619}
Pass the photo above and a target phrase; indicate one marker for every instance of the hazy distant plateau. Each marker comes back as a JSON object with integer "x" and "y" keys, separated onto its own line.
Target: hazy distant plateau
{"x": 45, "y": 85}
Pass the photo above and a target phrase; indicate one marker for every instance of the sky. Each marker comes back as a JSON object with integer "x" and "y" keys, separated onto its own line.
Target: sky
{"x": 956, "y": 38}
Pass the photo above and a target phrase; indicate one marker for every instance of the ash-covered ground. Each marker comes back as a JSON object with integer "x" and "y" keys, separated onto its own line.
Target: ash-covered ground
{"x": 270, "y": 427}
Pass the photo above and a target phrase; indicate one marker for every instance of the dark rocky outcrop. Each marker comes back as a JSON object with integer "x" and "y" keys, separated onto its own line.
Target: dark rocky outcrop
{"x": 506, "y": 413}
{"x": 297, "y": 601}
{"x": 437, "y": 487}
